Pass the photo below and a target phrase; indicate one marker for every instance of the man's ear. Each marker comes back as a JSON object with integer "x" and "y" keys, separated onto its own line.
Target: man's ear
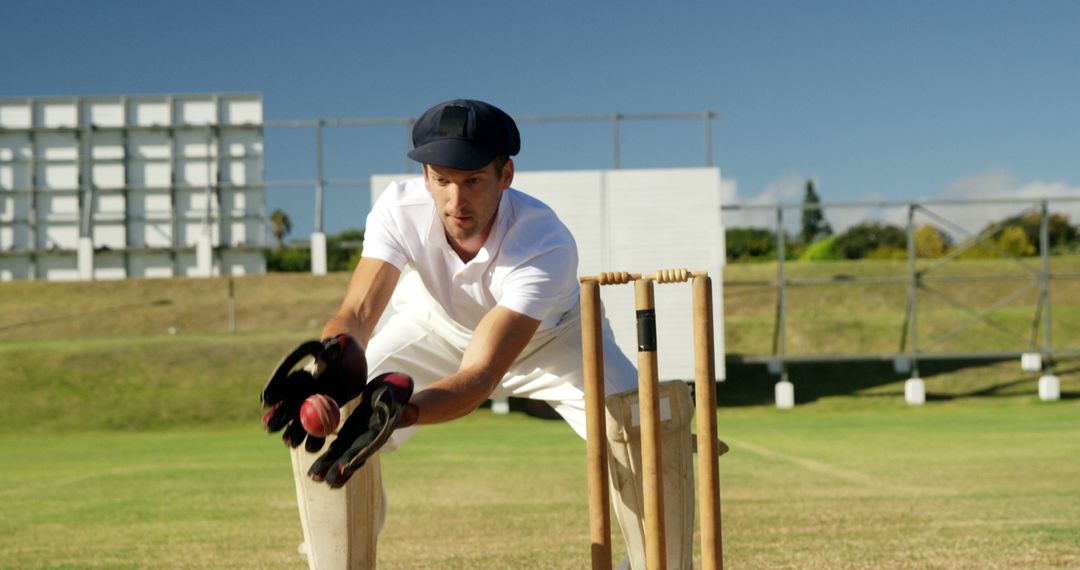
{"x": 507, "y": 174}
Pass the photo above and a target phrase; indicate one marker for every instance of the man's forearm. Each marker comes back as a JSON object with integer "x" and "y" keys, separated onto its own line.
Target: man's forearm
{"x": 452, "y": 397}
{"x": 498, "y": 340}
{"x": 344, "y": 322}
{"x": 369, "y": 291}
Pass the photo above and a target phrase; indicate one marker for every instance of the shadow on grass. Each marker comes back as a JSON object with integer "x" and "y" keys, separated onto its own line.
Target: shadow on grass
{"x": 752, "y": 384}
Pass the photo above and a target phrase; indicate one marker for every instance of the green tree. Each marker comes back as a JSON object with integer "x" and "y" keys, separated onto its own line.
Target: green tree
{"x": 861, "y": 240}
{"x": 1014, "y": 241}
{"x": 288, "y": 260}
{"x": 887, "y": 252}
{"x": 343, "y": 250}
{"x": 821, "y": 250}
{"x": 280, "y": 225}
{"x": 1059, "y": 231}
{"x": 814, "y": 225}
{"x": 750, "y": 243}
{"x": 342, "y": 254}
{"x": 981, "y": 250}
{"x": 930, "y": 242}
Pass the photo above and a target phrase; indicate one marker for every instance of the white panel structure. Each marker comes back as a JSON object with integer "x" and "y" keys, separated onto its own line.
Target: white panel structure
{"x": 152, "y": 265}
{"x": 188, "y": 265}
{"x": 640, "y": 221}
{"x": 14, "y": 269}
{"x": 16, "y": 113}
{"x": 109, "y": 266}
{"x": 58, "y": 267}
{"x": 141, "y": 178}
{"x": 105, "y": 112}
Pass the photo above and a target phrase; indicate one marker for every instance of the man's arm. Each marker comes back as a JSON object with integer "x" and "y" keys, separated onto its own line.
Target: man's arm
{"x": 495, "y": 345}
{"x": 369, "y": 292}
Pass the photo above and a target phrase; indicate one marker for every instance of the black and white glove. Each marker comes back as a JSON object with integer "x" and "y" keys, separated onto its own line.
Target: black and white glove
{"x": 383, "y": 408}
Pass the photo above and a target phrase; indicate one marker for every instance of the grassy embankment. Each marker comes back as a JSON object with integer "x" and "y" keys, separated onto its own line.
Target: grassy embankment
{"x": 846, "y": 318}
{"x": 106, "y": 347}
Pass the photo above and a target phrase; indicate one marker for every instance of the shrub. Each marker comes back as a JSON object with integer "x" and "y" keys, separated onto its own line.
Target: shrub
{"x": 887, "y": 252}
{"x": 821, "y": 250}
{"x": 794, "y": 249}
{"x": 860, "y": 240}
{"x": 1014, "y": 241}
{"x": 288, "y": 260}
{"x": 1059, "y": 231}
{"x": 342, "y": 254}
{"x": 931, "y": 242}
{"x": 1011, "y": 242}
{"x": 343, "y": 250}
{"x": 750, "y": 243}
{"x": 980, "y": 250}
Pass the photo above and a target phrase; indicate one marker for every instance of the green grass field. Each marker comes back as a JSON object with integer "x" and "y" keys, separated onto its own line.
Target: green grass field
{"x": 126, "y": 446}
{"x": 993, "y": 483}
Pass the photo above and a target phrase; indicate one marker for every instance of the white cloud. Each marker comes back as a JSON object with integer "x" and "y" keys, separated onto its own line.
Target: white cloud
{"x": 843, "y": 218}
{"x": 1001, "y": 184}
{"x": 790, "y": 190}
{"x": 787, "y": 190}
{"x": 729, "y": 190}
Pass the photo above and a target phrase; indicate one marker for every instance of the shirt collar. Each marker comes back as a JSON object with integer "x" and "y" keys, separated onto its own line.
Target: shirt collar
{"x": 498, "y": 230}
{"x": 437, "y": 233}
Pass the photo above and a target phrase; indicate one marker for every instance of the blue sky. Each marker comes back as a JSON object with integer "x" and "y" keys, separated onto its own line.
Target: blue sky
{"x": 871, "y": 100}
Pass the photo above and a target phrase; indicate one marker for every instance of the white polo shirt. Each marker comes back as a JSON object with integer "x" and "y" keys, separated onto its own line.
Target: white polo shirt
{"x": 528, "y": 263}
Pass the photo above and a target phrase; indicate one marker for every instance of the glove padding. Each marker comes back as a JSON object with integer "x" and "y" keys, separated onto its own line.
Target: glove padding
{"x": 379, "y": 413}
{"x": 335, "y": 367}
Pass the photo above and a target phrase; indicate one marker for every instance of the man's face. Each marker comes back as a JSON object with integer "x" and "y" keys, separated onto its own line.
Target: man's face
{"x": 467, "y": 200}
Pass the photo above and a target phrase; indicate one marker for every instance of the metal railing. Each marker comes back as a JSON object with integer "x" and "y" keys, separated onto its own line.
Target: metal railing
{"x": 320, "y": 182}
{"x": 912, "y": 346}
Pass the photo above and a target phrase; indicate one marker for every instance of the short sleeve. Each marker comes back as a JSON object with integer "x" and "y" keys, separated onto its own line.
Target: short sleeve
{"x": 382, "y": 233}
{"x": 543, "y": 285}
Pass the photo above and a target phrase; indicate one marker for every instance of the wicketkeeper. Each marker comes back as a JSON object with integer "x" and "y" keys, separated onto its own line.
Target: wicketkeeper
{"x": 483, "y": 282}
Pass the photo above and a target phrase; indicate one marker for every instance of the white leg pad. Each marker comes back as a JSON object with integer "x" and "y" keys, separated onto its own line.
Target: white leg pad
{"x": 341, "y": 526}
{"x": 624, "y": 465}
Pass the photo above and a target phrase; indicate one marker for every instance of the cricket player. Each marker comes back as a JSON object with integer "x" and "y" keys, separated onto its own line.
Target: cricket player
{"x": 483, "y": 282}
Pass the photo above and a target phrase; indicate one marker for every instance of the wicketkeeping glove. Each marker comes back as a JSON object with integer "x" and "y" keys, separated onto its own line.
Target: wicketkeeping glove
{"x": 383, "y": 408}
{"x": 335, "y": 367}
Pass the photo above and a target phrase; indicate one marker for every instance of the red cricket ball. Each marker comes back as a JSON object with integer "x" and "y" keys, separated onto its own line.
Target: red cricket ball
{"x": 320, "y": 415}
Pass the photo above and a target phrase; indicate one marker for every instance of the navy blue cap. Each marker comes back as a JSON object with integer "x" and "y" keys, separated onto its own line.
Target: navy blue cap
{"x": 463, "y": 134}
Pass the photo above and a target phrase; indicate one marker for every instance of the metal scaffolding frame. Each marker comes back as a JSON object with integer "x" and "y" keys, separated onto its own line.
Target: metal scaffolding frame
{"x": 84, "y": 130}
{"x": 918, "y": 279}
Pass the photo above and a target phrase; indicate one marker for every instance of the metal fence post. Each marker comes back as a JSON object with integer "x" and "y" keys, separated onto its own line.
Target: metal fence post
{"x": 779, "y": 341}
{"x": 708, "y": 137}
{"x": 232, "y": 306}
{"x": 615, "y": 140}
{"x": 913, "y": 295}
{"x": 320, "y": 178}
{"x": 1044, "y": 280}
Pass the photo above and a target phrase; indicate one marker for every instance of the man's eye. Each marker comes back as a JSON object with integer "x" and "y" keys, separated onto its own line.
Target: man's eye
{"x": 473, "y": 180}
